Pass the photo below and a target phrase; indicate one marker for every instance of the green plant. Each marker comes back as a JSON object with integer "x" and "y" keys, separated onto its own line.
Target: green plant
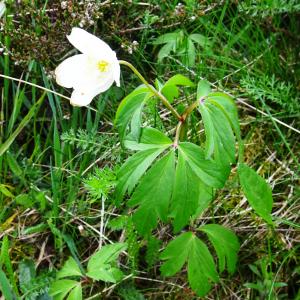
{"x": 182, "y": 45}
{"x": 265, "y": 284}
{"x": 55, "y": 176}
{"x": 175, "y": 180}
{"x": 101, "y": 266}
{"x": 271, "y": 90}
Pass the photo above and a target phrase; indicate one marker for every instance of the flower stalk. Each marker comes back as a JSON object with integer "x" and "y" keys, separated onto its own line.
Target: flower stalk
{"x": 155, "y": 92}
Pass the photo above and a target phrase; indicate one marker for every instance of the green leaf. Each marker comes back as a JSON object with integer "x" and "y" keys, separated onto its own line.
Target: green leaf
{"x": 176, "y": 254}
{"x": 209, "y": 130}
{"x": 225, "y": 243}
{"x": 200, "y": 39}
{"x": 170, "y": 89}
{"x": 106, "y": 255}
{"x": 76, "y": 293}
{"x": 201, "y": 268}
{"x": 191, "y": 53}
{"x": 130, "y": 109}
{"x": 133, "y": 169}
{"x": 25, "y": 200}
{"x": 165, "y": 51}
{"x": 153, "y": 246}
{"x": 228, "y": 106}
{"x": 256, "y": 286}
{"x": 5, "y": 191}
{"x": 150, "y": 138}
{"x": 179, "y": 79}
{"x": 70, "y": 268}
{"x": 203, "y": 89}
{"x": 211, "y": 173}
{"x": 26, "y": 274}
{"x": 99, "y": 265}
{"x": 106, "y": 274}
{"x": 5, "y": 287}
{"x": 257, "y": 192}
{"x": 60, "y": 288}
{"x": 194, "y": 178}
{"x": 186, "y": 194}
{"x": 219, "y": 136}
{"x": 166, "y": 38}
{"x": 206, "y": 194}
{"x": 13, "y": 164}
{"x": 153, "y": 194}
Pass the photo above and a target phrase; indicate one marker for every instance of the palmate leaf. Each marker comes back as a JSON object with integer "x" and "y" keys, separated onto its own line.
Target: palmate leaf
{"x": 225, "y": 243}
{"x": 200, "y": 39}
{"x": 210, "y": 172}
{"x": 150, "y": 138}
{"x": 201, "y": 267}
{"x": 170, "y": 89}
{"x": 61, "y": 288}
{"x": 129, "y": 111}
{"x": 257, "y": 192}
{"x": 220, "y": 140}
{"x": 76, "y": 293}
{"x": 186, "y": 194}
{"x": 220, "y": 118}
{"x": 203, "y": 89}
{"x": 171, "y": 41}
{"x": 133, "y": 169}
{"x": 153, "y": 143}
{"x": 227, "y": 105}
{"x": 100, "y": 264}
{"x": 70, "y": 268}
{"x": 153, "y": 194}
{"x": 194, "y": 179}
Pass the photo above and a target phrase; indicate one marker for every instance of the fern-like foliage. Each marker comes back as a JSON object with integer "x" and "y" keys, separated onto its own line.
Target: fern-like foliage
{"x": 101, "y": 183}
{"x": 271, "y": 90}
{"x": 89, "y": 141}
{"x": 266, "y": 8}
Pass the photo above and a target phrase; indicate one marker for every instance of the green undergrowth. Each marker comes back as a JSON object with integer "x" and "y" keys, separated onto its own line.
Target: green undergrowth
{"x": 58, "y": 163}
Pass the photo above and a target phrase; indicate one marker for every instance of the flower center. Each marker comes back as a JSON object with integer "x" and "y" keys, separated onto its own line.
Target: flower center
{"x": 102, "y": 65}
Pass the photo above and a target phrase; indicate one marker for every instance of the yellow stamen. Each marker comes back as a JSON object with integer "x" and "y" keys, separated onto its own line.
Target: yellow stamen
{"x": 102, "y": 65}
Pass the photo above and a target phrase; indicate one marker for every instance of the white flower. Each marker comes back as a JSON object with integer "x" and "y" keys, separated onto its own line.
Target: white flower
{"x": 91, "y": 72}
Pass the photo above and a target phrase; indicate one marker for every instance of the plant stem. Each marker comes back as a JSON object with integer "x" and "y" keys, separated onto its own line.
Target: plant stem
{"x": 177, "y": 134}
{"x": 155, "y": 92}
{"x": 182, "y": 121}
{"x": 190, "y": 108}
{"x": 102, "y": 221}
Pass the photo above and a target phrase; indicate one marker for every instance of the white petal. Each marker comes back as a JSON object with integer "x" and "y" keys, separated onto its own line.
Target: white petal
{"x": 104, "y": 85}
{"x": 79, "y": 72}
{"x": 116, "y": 71}
{"x": 69, "y": 70}
{"x": 80, "y": 98}
{"x": 88, "y": 43}
{"x": 85, "y": 97}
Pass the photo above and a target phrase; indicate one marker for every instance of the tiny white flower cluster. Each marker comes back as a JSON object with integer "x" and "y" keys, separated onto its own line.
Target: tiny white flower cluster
{"x": 130, "y": 48}
{"x": 179, "y": 9}
{"x": 64, "y": 4}
{"x": 89, "y": 12}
